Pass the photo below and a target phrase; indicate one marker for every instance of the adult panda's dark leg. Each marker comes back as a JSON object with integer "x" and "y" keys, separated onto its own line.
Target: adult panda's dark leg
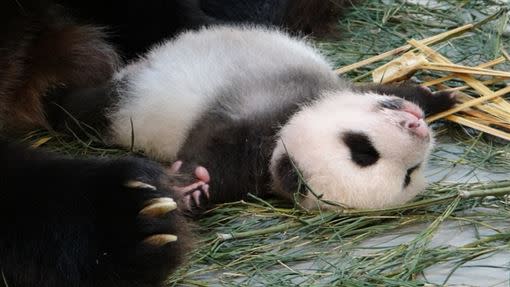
{"x": 137, "y": 25}
{"x": 43, "y": 49}
{"x": 430, "y": 102}
{"x": 302, "y": 16}
{"x": 91, "y": 222}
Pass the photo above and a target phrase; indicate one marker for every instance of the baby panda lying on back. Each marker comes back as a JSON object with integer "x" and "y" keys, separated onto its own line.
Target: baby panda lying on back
{"x": 259, "y": 109}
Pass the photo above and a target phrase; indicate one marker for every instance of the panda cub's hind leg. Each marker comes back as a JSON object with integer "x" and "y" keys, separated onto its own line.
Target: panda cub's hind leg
{"x": 194, "y": 195}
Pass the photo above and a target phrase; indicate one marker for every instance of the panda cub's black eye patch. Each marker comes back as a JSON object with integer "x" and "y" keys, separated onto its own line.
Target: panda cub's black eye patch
{"x": 363, "y": 152}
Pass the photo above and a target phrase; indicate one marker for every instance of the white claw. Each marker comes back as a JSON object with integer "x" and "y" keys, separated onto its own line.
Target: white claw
{"x": 139, "y": 184}
{"x": 160, "y": 239}
{"x": 159, "y": 206}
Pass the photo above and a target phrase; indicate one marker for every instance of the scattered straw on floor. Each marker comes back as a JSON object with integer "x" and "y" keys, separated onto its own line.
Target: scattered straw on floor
{"x": 480, "y": 106}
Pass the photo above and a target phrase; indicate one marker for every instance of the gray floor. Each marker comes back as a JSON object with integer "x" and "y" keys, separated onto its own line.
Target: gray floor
{"x": 493, "y": 270}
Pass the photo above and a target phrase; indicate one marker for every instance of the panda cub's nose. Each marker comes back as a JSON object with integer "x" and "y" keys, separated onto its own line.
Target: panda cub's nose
{"x": 414, "y": 120}
{"x": 414, "y": 125}
{"x": 411, "y": 116}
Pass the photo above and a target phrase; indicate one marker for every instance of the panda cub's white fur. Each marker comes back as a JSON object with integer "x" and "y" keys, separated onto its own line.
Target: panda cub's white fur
{"x": 230, "y": 98}
{"x": 175, "y": 83}
{"x": 312, "y": 137}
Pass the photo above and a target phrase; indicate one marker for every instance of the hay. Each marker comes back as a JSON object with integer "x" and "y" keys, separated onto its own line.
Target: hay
{"x": 488, "y": 112}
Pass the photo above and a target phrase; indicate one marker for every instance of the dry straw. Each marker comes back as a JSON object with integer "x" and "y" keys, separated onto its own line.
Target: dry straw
{"x": 485, "y": 109}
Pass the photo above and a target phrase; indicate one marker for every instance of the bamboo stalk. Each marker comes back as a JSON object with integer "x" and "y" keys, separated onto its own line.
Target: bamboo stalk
{"x": 268, "y": 230}
{"x": 490, "y": 108}
{"x": 453, "y": 68}
{"x": 486, "y": 93}
{"x": 469, "y": 104}
{"x": 488, "y": 239}
{"x": 462, "y": 88}
{"x": 263, "y": 231}
{"x": 465, "y": 194}
{"x": 478, "y": 126}
{"x": 427, "y": 41}
{"x": 492, "y": 63}
{"x": 505, "y": 54}
{"x": 41, "y": 141}
{"x": 487, "y": 118}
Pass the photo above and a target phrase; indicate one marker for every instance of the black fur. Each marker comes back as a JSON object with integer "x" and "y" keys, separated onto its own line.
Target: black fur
{"x": 237, "y": 151}
{"x": 431, "y": 103}
{"x": 44, "y": 48}
{"x": 70, "y": 222}
{"x": 137, "y": 25}
{"x": 82, "y": 112}
{"x": 304, "y": 16}
{"x": 256, "y": 11}
{"x": 407, "y": 179}
{"x": 363, "y": 152}
{"x": 70, "y": 45}
{"x": 289, "y": 177}
{"x": 392, "y": 104}
{"x": 245, "y": 143}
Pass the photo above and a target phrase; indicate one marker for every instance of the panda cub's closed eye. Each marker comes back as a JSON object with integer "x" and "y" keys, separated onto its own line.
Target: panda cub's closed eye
{"x": 363, "y": 152}
{"x": 392, "y": 104}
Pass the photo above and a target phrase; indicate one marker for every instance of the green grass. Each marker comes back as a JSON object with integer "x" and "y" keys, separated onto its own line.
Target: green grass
{"x": 272, "y": 244}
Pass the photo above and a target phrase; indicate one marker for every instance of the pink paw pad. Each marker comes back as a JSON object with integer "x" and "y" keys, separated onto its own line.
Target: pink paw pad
{"x": 195, "y": 190}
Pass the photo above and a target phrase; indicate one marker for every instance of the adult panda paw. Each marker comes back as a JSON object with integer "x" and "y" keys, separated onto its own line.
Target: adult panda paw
{"x": 144, "y": 232}
{"x": 88, "y": 222}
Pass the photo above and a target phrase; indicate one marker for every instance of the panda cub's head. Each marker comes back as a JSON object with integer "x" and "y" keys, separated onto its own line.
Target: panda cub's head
{"x": 358, "y": 150}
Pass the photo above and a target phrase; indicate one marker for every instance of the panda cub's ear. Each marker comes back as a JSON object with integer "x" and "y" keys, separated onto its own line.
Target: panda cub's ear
{"x": 363, "y": 152}
{"x": 288, "y": 176}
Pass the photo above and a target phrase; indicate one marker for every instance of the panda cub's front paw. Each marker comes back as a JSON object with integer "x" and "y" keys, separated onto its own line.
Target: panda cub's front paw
{"x": 430, "y": 102}
{"x": 144, "y": 234}
{"x": 436, "y": 102}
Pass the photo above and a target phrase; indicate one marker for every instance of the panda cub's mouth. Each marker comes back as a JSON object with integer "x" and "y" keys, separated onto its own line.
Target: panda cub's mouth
{"x": 409, "y": 116}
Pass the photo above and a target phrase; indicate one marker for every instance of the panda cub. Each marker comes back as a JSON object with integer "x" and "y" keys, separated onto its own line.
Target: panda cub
{"x": 261, "y": 109}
